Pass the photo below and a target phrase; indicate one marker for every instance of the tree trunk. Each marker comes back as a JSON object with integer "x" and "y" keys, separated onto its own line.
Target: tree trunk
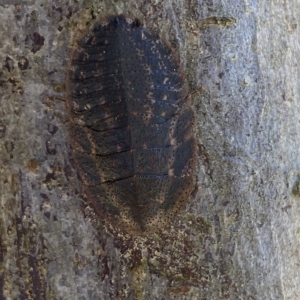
{"x": 238, "y": 236}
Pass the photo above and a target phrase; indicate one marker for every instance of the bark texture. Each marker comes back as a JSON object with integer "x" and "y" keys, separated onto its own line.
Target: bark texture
{"x": 237, "y": 238}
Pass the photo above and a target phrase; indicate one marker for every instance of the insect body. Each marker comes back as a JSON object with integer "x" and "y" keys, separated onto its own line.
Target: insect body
{"x": 131, "y": 126}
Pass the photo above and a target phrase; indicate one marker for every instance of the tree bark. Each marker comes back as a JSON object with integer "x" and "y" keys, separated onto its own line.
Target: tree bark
{"x": 237, "y": 238}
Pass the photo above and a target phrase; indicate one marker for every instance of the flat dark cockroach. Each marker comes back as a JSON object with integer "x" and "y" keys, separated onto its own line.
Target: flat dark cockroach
{"x": 131, "y": 125}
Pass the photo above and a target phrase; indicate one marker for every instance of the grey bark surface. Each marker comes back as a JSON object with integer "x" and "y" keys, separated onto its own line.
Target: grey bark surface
{"x": 237, "y": 238}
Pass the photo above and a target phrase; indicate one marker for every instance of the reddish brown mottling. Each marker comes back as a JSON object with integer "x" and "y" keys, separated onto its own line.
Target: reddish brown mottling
{"x": 131, "y": 125}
